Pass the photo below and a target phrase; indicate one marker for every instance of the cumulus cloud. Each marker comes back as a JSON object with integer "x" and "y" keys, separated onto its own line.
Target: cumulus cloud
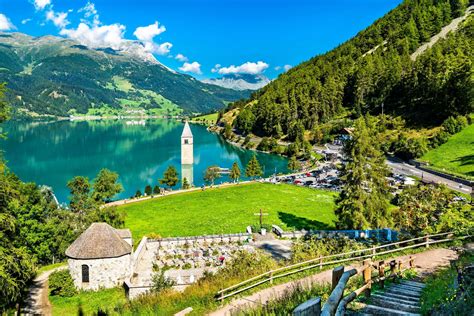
{"x": 25, "y": 21}
{"x": 97, "y": 36}
{"x": 181, "y": 58}
{"x": 5, "y": 23}
{"x": 58, "y": 18}
{"x": 245, "y": 68}
{"x": 147, "y": 33}
{"x": 90, "y": 12}
{"x": 287, "y": 67}
{"x": 41, "y": 4}
{"x": 193, "y": 67}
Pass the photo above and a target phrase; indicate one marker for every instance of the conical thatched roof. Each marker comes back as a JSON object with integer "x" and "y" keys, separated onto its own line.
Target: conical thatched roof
{"x": 186, "y": 130}
{"x": 100, "y": 240}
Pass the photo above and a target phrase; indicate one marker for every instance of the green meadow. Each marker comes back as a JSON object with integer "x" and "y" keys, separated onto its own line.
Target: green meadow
{"x": 231, "y": 210}
{"x": 456, "y": 155}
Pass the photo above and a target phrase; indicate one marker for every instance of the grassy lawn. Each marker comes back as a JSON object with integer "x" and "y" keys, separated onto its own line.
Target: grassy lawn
{"x": 456, "y": 155}
{"x": 231, "y": 210}
{"x": 210, "y": 118}
{"x": 88, "y": 301}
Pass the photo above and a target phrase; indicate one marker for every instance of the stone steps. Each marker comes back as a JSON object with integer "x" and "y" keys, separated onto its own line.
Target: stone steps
{"x": 397, "y": 299}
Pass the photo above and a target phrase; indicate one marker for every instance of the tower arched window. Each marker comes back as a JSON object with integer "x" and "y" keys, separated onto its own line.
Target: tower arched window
{"x": 85, "y": 273}
{"x": 186, "y": 141}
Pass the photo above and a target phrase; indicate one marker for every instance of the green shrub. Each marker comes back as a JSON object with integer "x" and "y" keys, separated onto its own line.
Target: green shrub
{"x": 61, "y": 284}
{"x": 160, "y": 282}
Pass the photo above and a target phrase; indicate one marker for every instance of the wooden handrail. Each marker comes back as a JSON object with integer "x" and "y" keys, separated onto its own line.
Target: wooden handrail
{"x": 269, "y": 276}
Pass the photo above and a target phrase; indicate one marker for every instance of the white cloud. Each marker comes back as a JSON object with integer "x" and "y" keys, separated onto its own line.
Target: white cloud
{"x": 97, "y": 36}
{"x": 147, "y": 33}
{"x": 277, "y": 68}
{"x": 25, "y": 21}
{"x": 181, "y": 58}
{"x": 287, "y": 67}
{"x": 41, "y": 4}
{"x": 90, "y": 11}
{"x": 58, "y": 18}
{"x": 5, "y": 23}
{"x": 216, "y": 68}
{"x": 193, "y": 67}
{"x": 246, "y": 68}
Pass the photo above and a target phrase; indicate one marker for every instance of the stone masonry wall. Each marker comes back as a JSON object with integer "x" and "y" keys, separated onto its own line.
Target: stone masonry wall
{"x": 103, "y": 273}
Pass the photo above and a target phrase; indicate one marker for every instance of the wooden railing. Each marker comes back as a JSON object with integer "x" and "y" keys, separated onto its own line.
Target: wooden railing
{"x": 320, "y": 262}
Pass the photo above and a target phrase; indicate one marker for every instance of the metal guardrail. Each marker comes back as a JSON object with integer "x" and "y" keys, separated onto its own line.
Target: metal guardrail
{"x": 271, "y": 275}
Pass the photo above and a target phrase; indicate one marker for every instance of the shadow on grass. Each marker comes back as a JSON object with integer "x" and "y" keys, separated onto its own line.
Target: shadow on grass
{"x": 466, "y": 161}
{"x": 300, "y": 223}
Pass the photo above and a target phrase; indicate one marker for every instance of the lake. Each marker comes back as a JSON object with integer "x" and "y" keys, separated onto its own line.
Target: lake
{"x": 51, "y": 153}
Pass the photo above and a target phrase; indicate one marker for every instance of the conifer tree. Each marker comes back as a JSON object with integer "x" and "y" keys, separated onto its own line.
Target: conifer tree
{"x": 363, "y": 203}
{"x": 148, "y": 190}
{"x": 185, "y": 185}
{"x": 294, "y": 164}
{"x": 253, "y": 168}
{"x": 235, "y": 172}
{"x": 170, "y": 177}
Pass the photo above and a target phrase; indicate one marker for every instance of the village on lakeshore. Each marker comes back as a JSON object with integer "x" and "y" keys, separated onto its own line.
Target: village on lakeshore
{"x": 230, "y": 158}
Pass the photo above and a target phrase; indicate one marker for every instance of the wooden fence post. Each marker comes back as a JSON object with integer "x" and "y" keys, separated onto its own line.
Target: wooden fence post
{"x": 412, "y": 262}
{"x": 320, "y": 263}
{"x": 336, "y": 276}
{"x": 311, "y": 307}
{"x": 400, "y": 267}
{"x": 393, "y": 267}
{"x": 222, "y": 298}
{"x": 271, "y": 277}
{"x": 427, "y": 245}
{"x": 381, "y": 273}
{"x": 367, "y": 275}
{"x": 373, "y": 251}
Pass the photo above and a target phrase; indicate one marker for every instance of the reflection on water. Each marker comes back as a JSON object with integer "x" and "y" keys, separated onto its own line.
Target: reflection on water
{"x": 53, "y": 153}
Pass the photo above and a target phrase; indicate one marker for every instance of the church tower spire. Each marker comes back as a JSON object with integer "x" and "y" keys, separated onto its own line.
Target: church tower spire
{"x": 187, "y": 145}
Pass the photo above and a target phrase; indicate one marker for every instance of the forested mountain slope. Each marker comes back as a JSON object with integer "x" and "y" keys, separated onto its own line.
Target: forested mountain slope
{"x": 53, "y": 75}
{"x": 373, "y": 72}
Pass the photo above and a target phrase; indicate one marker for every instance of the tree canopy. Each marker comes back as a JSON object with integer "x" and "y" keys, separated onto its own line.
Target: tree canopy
{"x": 253, "y": 168}
{"x": 170, "y": 177}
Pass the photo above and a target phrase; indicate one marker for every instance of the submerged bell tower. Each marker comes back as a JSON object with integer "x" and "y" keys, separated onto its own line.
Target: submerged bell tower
{"x": 187, "y": 156}
{"x": 187, "y": 145}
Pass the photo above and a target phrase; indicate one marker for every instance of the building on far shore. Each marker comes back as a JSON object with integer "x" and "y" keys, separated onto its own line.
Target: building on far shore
{"x": 101, "y": 257}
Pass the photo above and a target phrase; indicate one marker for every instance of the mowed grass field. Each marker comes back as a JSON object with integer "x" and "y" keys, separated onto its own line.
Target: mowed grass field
{"x": 456, "y": 155}
{"x": 231, "y": 210}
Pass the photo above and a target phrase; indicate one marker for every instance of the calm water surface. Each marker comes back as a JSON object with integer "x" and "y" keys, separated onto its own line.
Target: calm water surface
{"x": 52, "y": 153}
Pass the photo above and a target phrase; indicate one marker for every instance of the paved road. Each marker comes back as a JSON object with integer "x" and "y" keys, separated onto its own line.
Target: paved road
{"x": 409, "y": 170}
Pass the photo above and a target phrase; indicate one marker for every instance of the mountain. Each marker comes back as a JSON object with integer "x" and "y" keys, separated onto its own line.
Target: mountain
{"x": 240, "y": 81}
{"x": 57, "y": 76}
{"x": 374, "y": 72}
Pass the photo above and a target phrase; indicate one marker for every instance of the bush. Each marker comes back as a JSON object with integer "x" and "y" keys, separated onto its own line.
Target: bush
{"x": 454, "y": 125}
{"x": 160, "y": 282}
{"x": 61, "y": 284}
{"x": 410, "y": 147}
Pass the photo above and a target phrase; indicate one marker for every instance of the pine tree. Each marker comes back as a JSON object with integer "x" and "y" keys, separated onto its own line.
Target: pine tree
{"x": 294, "y": 164}
{"x": 253, "y": 168}
{"x": 211, "y": 174}
{"x": 156, "y": 190}
{"x": 235, "y": 172}
{"x": 148, "y": 190}
{"x": 363, "y": 203}
{"x": 185, "y": 185}
{"x": 170, "y": 177}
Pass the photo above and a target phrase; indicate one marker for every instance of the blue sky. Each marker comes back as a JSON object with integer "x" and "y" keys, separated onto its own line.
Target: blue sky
{"x": 193, "y": 36}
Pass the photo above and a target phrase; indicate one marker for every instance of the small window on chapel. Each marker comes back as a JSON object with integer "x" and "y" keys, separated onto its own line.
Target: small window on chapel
{"x": 85, "y": 273}
{"x": 186, "y": 141}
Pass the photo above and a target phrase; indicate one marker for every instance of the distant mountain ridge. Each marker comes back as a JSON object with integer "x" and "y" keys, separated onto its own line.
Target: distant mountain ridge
{"x": 240, "y": 81}
{"x": 54, "y": 75}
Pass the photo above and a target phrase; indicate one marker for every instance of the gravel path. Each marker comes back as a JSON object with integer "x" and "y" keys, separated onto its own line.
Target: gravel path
{"x": 442, "y": 34}
{"x": 425, "y": 262}
{"x": 37, "y": 302}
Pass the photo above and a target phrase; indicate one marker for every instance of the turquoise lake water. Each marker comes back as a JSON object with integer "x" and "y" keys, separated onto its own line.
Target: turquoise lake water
{"x": 52, "y": 153}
